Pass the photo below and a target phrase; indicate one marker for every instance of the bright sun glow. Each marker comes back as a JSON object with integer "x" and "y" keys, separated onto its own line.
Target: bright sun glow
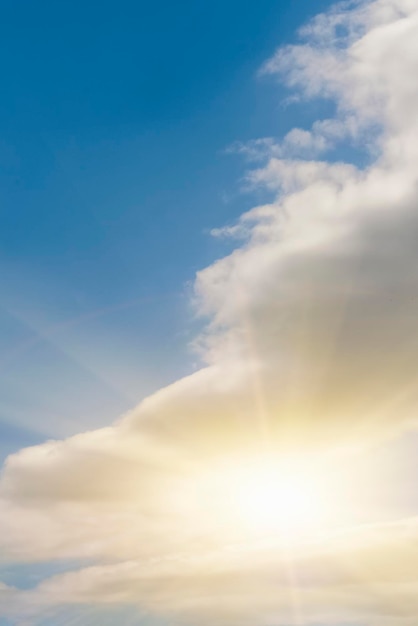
{"x": 258, "y": 499}
{"x": 271, "y": 499}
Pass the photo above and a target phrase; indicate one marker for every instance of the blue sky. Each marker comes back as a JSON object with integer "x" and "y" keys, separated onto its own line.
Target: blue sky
{"x": 114, "y": 119}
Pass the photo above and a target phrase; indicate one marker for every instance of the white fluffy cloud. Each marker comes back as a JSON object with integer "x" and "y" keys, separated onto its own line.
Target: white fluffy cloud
{"x": 310, "y": 345}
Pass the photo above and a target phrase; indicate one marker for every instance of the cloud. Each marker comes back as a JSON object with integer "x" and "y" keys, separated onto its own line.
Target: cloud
{"x": 367, "y": 574}
{"x": 324, "y": 136}
{"x": 309, "y": 348}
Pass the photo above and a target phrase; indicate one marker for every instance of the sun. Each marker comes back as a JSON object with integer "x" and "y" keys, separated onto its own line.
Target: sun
{"x": 270, "y": 498}
{"x": 257, "y": 498}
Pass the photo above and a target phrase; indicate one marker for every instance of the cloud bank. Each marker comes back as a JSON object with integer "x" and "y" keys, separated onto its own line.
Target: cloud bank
{"x": 309, "y": 349}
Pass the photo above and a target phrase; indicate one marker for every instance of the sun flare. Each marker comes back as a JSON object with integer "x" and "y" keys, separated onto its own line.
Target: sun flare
{"x": 269, "y": 500}
{"x": 254, "y": 499}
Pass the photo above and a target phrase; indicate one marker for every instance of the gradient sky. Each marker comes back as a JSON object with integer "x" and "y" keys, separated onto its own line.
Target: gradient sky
{"x": 114, "y": 121}
{"x": 208, "y": 242}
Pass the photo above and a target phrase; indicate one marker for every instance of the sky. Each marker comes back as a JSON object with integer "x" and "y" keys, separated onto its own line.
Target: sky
{"x": 114, "y": 123}
{"x": 208, "y": 313}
